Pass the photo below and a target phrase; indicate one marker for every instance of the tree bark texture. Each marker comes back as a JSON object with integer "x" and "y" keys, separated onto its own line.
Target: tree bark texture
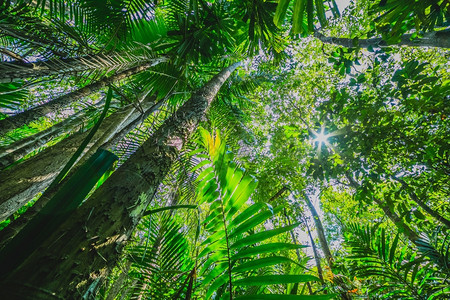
{"x": 320, "y": 232}
{"x": 20, "y": 183}
{"x": 294, "y": 240}
{"x": 57, "y": 104}
{"x": 17, "y": 150}
{"x": 109, "y": 136}
{"x": 13, "y": 71}
{"x": 81, "y": 252}
{"x": 121, "y": 134}
{"x": 440, "y": 39}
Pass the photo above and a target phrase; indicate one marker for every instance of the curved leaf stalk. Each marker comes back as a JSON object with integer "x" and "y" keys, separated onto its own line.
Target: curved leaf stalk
{"x": 230, "y": 278}
{"x": 14, "y": 71}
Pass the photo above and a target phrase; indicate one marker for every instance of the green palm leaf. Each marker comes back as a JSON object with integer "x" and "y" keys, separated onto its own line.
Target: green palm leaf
{"x": 234, "y": 230}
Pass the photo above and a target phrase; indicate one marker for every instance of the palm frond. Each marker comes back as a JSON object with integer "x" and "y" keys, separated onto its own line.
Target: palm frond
{"x": 161, "y": 265}
{"x": 394, "y": 18}
{"x": 234, "y": 252}
{"x": 400, "y": 272}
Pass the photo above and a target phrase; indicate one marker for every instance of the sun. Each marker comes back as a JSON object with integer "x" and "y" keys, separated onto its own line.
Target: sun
{"x": 321, "y": 137}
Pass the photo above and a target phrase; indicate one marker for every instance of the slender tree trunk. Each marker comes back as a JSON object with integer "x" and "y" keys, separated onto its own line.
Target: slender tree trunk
{"x": 398, "y": 222}
{"x": 13, "y": 71}
{"x": 294, "y": 240}
{"x": 88, "y": 245}
{"x": 11, "y": 230}
{"x": 278, "y": 194}
{"x": 121, "y": 134}
{"x": 17, "y": 150}
{"x": 55, "y": 105}
{"x": 421, "y": 203}
{"x": 320, "y": 232}
{"x": 439, "y": 39}
{"x": 20, "y": 183}
{"x": 316, "y": 254}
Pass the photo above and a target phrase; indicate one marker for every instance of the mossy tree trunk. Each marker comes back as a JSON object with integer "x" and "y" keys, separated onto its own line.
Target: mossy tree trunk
{"x": 77, "y": 256}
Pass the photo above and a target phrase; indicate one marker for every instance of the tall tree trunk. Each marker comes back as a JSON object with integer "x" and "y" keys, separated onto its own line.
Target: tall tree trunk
{"x": 320, "y": 231}
{"x": 278, "y": 194}
{"x": 87, "y": 246}
{"x": 20, "y": 183}
{"x": 55, "y": 105}
{"x": 13, "y": 71}
{"x": 105, "y": 142}
{"x": 122, "y": 133}
{"x": 291, "y": 232}
{"x": 439, "y": 39}
{"x": 421, "y": 203}
{"x": 316, "y": 254}
{"x": 398, "y": 222}
{"x": 17, "y": 150}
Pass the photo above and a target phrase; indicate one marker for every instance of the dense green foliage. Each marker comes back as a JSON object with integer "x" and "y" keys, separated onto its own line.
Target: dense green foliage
{"x": 320, "y": 171}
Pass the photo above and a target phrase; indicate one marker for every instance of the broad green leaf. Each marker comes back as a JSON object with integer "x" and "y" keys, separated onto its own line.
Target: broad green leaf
{"x": 241, "y": 195}
{"x": 286, "y": 297}
{"x": 213, "y": 242}
{"x": 274, "y": 279}
{"x": 321, "y": 13}
{"x": 206, "y": 174}
{"x": 267, "y": 248}
{"x": 297, "y": 18}
{"x": 214, "y": 214}
{"x": 210, "y": 196}
{"x": 247, "y": 213}
{"x": 217, "y": 236}
{"x": 199, "y": 165}
{"x": 217, "y": 271}
{"x": 393, "y": 249}
{"x": 221, "y": 280}
{"x": 310, "y": 14}
{"x": 261, "y": 236}
{"x": 253, "y": 221}
{"x": 214, "y": 258}
{"x": 260, "y": 263}
{"x": 153, "y": 211}
{"x": 280, "y": 12}
{"x": 194, "y": 152}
